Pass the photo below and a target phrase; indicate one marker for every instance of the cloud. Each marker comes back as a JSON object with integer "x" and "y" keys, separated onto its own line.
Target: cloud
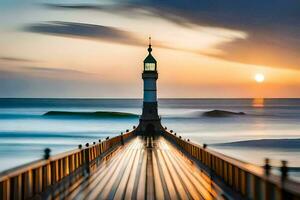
{"x": 85, "y": 31}
{"x": 273, "y": 39}
{"x": 260, "y": 49}
{"x": 273, "y": 36}
{"x": 221, "y": 13}
{"x": 15, "y": 59}
{"x": 48, "y": 69}
{"x": 92, "y": 32}
{"x": 112, "y": 7}
{"x": 72, "y": 6}
{"x": 57, "y": 73}
{"x": 227, "y": 13}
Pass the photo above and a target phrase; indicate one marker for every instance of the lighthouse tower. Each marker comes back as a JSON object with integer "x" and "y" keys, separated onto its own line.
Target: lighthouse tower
{"x": 149, "y": 120}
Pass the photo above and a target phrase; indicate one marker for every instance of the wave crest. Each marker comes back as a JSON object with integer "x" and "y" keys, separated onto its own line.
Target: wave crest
{"x": 97, "y": 114}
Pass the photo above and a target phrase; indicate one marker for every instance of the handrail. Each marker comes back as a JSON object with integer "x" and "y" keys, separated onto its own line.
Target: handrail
{"x": 34, "y": 164}
{"x": 251, "y": 181}
{"x": 33, "y": 178}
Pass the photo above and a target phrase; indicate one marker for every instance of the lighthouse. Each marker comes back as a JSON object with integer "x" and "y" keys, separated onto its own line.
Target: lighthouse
{"x": 149, "y": 120}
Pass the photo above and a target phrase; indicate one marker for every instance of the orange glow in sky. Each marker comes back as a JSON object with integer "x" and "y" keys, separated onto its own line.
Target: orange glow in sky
{"x": 105, "y": 59}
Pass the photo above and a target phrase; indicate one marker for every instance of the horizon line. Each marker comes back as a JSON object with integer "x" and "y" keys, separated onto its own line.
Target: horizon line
{"x": 119, "y": 98}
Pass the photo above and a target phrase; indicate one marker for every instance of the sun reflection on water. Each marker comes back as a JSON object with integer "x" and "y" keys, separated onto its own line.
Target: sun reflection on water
{"x": 258, "y": 102}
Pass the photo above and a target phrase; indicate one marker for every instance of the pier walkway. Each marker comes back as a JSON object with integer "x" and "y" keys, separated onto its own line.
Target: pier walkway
{"x": 146, "y": 169}
{"x": 129, "y": 166}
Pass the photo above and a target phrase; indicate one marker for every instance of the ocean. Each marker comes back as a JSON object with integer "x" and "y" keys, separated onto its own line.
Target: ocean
{"x": 270, "y": 128}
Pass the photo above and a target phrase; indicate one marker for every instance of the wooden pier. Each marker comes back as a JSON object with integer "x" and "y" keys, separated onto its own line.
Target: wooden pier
{"x": 136, "y": 167}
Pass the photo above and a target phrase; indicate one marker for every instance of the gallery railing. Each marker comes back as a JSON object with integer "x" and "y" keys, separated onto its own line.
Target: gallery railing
{"x": 35, "y": 178}
{"x": 251, "y": 181}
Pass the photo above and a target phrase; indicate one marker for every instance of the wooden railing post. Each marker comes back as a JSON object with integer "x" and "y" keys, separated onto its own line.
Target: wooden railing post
{"x": 54, "y": 171}
{"x": 5, "y": 189}
{"x": 78, "y": 158}
{"x": 284, "y": 170}
{"x": 236, "y": 178}
{"x": 61, "y": 168}
{"x": 65, "y": 162}
{"x": 37, "y": 180}
{"x": 27, "y": 184}
{"x": 122, "y": 139}
{"x": 243, "y": 182}
{"x": 72, "y": 163}
{"x": 226, "y": 172}
{"x": 46, "y": 175}
{"x": 87, "y": 158}
{"x": 284, "y": 175}
{"x": 16, "y": 187}
{"x": 76, "y": 163}
{"x": 251, "y": 186}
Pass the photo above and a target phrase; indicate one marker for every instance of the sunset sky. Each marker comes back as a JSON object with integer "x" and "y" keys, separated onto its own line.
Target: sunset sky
{"x": 96, "y": 49}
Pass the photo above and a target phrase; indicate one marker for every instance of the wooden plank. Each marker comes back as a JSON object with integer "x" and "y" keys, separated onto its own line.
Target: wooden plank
{"x": 159, "y": 192}
{"x": 85, "y": 188}
{"x": 106, "y": 176}
{"x": 189, "y": 185}
{"x": 141, "y": 190}
{"x": 192, "y": 172}
{"x": 165, "y": 173}
{"x": 120, "y": 191}
{"x": 133, "y": 176}
{"x": 149, "y": 175}
{"x": 159, "y": 171}
{"x": 175, "y": 177}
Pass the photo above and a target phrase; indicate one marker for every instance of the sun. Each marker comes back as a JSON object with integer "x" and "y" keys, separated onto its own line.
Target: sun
{"x": 259, "y": 78}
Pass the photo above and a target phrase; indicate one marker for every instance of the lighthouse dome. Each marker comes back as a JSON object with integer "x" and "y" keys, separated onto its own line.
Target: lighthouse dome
{"x": 150, "y": 59}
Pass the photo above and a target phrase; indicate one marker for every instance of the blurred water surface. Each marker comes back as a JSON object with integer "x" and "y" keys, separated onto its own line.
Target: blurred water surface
{"x": 25, "y": 131}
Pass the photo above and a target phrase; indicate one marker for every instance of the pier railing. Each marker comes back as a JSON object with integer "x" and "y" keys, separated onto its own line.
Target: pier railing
{"x": 251, "y": 181}
{"x": 36, "y": 177}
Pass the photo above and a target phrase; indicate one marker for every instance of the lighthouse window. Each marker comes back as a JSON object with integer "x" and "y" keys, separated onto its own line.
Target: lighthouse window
{"x": 149, "y": 66}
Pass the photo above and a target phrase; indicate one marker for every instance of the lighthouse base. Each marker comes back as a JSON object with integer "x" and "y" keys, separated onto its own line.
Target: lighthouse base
{"x": 149, "y": 121}
{"x": 149, "y": 127}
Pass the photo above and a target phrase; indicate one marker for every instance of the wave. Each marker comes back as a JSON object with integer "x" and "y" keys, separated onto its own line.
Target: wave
{"x": 98, "y": 114}
{"x": 86, "y": 134}
{"x": 265, "y": 143}
{"x": 222, "y": 113}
